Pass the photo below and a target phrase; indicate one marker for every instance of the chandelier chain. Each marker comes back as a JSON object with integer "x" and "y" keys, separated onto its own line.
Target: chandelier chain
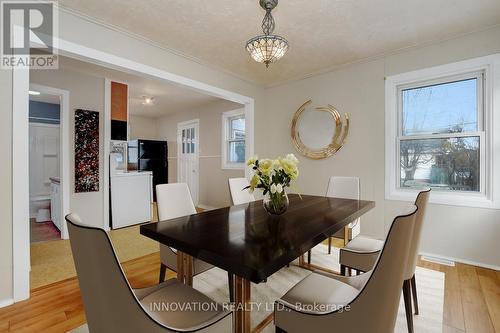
{"x": 268, "y": 23}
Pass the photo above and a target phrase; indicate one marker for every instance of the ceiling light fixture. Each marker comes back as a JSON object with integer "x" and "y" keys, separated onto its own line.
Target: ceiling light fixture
{"x": 33, "y": 92}
{"x": 147, "y": 100}
{"x": 267, "y": 48}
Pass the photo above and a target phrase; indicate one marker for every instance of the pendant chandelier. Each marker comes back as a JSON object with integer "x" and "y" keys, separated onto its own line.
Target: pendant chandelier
{"x": 267, "y": 48}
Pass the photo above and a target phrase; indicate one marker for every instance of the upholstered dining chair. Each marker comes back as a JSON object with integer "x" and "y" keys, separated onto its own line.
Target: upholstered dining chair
{"x": 238, "y": 194}
{"x": 410, "y": 284}
{"x": 319, "y": 303}
{"x": 362, "y": 252}
{"x": 347, "y": 188}
{"x": 174, "y": 200}
{"x": 112, "y": 306}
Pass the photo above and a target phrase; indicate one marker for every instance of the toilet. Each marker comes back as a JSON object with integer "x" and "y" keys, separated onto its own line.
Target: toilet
{"x": 40, "y": 208}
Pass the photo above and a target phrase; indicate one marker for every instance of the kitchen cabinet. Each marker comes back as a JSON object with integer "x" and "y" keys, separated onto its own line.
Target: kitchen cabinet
{"x": 55, "y": 202}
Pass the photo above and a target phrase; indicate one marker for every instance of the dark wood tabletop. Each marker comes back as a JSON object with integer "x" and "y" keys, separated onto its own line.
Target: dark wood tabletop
{"x": 246, "y": 241}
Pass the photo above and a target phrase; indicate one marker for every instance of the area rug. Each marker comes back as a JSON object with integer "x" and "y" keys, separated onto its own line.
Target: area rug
{"x": 430, "y": 286}
{"x": 52, "y": 261}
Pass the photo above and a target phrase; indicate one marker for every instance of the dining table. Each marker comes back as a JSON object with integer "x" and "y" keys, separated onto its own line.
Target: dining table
{"x": 248, "y": 242}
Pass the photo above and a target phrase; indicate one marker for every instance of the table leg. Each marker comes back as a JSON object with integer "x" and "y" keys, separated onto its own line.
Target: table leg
{"x": 242, "y": 305}
{"x": 188, "y": 269}
{"x": 346, "y": 235}
{"x": 184, "y": 268}
{"x": 180, "y": 267}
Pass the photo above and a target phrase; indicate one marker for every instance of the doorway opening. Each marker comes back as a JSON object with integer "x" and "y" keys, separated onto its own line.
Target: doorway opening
{"x": 44, "y": 166}
{"x": 48, "y": 177}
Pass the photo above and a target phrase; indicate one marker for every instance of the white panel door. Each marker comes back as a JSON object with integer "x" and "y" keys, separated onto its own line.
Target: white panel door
{"x": 187, "y": 156}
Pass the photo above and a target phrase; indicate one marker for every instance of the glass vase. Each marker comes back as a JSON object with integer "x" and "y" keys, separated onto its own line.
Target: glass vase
{"x": 276, "y": 203}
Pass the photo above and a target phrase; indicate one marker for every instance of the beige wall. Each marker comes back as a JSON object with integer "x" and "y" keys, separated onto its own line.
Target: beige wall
{"x": 6, "y": 186}
{"x": 142, "y": 128}
{"x": 85, "y": 92}
{"x": 469, "y": 234}
{"x": 213, "y": 190}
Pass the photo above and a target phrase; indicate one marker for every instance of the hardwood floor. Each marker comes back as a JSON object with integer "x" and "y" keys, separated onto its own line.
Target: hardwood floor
{"x": 471, "y": 298}
{"x": 471, "y": 304}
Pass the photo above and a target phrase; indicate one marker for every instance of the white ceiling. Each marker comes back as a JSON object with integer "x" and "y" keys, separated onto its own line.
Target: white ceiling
{"x": 168, "y": 98}
{"x": 323, "y": 34}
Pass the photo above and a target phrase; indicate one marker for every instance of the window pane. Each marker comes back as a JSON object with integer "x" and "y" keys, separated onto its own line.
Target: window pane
{"x": 192, "y": 140}
{"x": 442, "y": 108}
{"x": 236, "y": 152}
{"x": 443, "y": 164}
{"x": 183, "y": 138}
{"x": 237, "y": 128}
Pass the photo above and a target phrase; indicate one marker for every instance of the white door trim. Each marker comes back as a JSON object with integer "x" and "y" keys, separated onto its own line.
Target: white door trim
{"x": 20, "y": 174}
{"x": 20, "y": 185}
{"x": 196, "y": 124}
{"x": 107, "y": 149}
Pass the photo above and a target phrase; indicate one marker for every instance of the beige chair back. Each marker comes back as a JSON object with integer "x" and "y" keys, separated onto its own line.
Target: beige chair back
{"x": 238, "y": 194}
{"x": 379, "y": 299}
{"x": 375, "y": 308}
{"x": 346, "y": 188}
{"x": 110, "y": 305}
{"x": 174, "y": 200}
{"x": 343, "y": 187}
{"x": 421, "y": 203}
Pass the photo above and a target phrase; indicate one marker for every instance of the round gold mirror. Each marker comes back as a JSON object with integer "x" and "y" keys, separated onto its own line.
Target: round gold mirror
{"x": 318, "y": 132}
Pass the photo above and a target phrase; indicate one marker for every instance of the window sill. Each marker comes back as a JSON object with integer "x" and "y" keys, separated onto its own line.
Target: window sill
{"x": 233, "y": 166}
{"x": 461, "y": 199}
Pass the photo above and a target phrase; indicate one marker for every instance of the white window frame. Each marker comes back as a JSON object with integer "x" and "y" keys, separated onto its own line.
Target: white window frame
{"x": 226, "y": 117}
{"x": 488, "y": 130}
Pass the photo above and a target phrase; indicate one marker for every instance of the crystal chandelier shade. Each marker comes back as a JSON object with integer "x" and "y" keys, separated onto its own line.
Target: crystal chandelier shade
{"x": 267, "y": 48}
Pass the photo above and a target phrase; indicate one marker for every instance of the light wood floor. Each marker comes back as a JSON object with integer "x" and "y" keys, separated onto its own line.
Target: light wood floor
{"x": 471, "y": 304}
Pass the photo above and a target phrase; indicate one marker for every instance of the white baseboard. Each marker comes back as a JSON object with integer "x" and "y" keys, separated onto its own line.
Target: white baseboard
{"x": 463, "y": 261}
{"x": 6, "y": 302}
{"x": 441, "y": 261}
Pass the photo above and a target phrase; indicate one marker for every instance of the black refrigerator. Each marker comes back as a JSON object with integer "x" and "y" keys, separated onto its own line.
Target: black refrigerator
{"x": 149, "y": 155}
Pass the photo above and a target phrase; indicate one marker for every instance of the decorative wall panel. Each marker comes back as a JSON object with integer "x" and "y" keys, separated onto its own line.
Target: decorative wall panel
{"x": 86, "y": 151}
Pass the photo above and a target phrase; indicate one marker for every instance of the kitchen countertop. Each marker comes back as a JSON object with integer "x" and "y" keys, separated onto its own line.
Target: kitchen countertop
{"x": 131, "y": 174}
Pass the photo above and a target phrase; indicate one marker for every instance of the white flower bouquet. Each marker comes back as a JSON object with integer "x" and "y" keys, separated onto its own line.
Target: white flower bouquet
{"x": 273, "y": 177}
